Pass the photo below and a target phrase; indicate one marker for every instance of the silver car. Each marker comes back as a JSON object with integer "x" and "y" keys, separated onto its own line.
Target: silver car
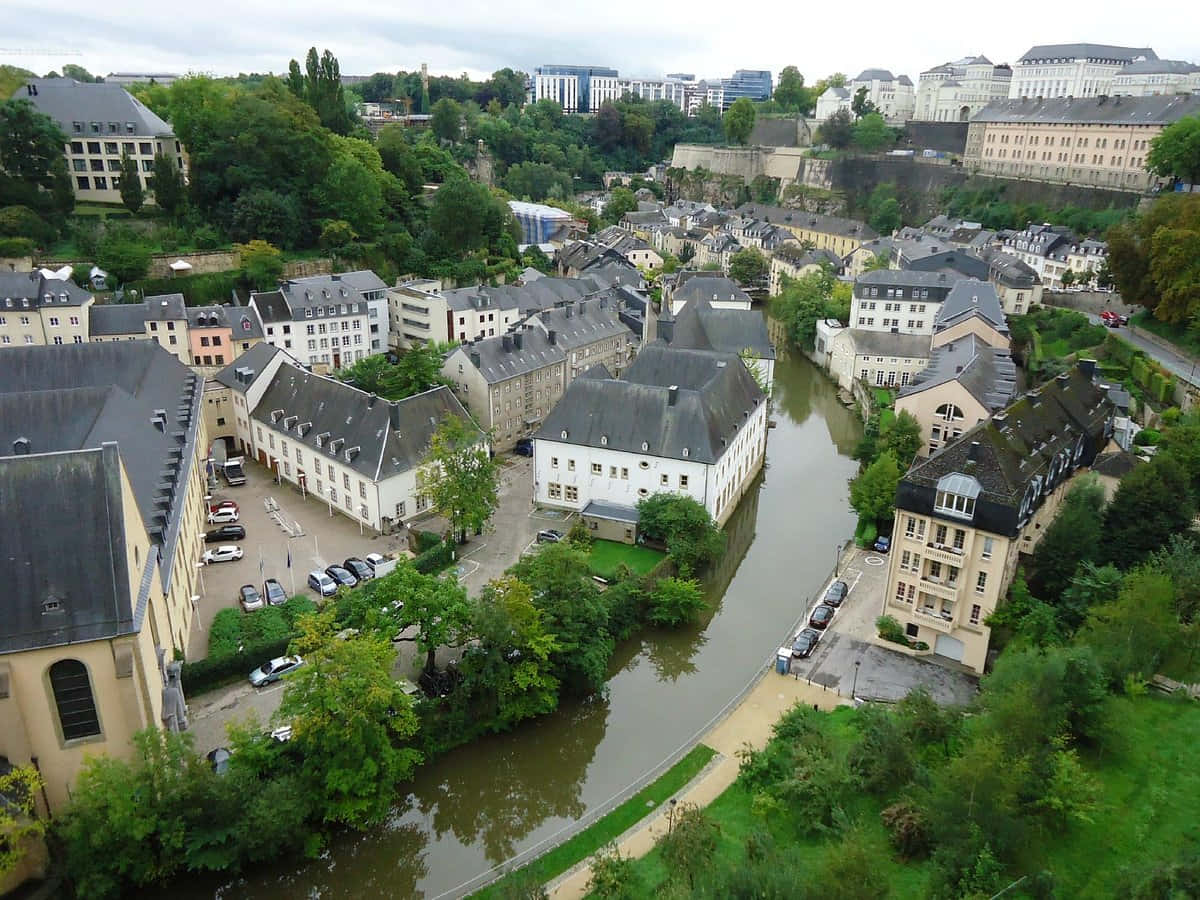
{"x": 275, "y": 669}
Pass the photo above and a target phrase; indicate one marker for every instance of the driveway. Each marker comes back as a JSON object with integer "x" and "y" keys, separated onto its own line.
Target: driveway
{"x": 1182, "y": 367}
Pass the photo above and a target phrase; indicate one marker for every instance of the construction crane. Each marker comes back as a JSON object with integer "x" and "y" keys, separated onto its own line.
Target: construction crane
{"x": 17, "y": 51}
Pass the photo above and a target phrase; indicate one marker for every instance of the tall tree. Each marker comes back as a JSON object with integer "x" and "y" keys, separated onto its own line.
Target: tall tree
{"x": 1073, "y": 537}
{"x": 132, "y": 194}
{"x": 447, "y": 119}
{"x": 320, "y": 86}
{"x": 873, "y": 493}
{"x": 1153, "y": 502}
{"x": 170, "y": 192}
{"x": 1176, "y": 151}
{"x": 790, "y": 92}
{"x": 32, "y": 167}
{"x": 465, "y": 217}
{"x": 860, "y": 105}
{"x": 837, "y": 131}
{"x": 460, "y": 477}
{"x": 739, "y": 121}
{"x": 436, "y": 610}
{"x": 749, "y": 267}
{"x": 872, "y": 133}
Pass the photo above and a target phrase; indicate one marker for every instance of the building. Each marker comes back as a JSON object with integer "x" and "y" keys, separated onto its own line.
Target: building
{"x": 1156, "y": 76}
{"x": 1072, "y": 70}
{"x": 831, "y": 101}
{"x": 568, "y": 86}
{"x": 875, "y": 358}
{"x": 512, "y": 381}
{"x": 834, "y": 233}
{"x": 355, "y": 451}
{"x": 418, "y": 313}
{"x": 721, "y": 292}
{"x": 39, "y": 309}
{"x": 792, "y": 260}
{"x": 964, "y": 516}
{"x": 971, "y": 307}
{"x": 955, "y": 91}
{"x": 327, "y": 322}
{"x": 541, "y": 224}
{"x": 103, "y": 123}
{"x": 892, "y": 95}
{"x": 966, "y": 381}
{"x": 162, "y": 318}
{"x": 753, "y": 84}
{"x": 899, "y": 301}
{"x": 633, "y": 250}
{"x": 868, "y": 253}
{"x": 701, "y": 326}
{"x": 1017, "y": 284}
{"x": 692, "y": 422}
{"x": 104, "y": 444}
{"x": 1094, "y": 142}
{"x": 123, "y": 78}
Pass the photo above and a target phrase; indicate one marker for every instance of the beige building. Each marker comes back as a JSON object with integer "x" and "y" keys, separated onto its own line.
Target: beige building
{"x": 792, "y": 260}
{"x": 1094, "y": 142}
{"x": 964, "y": 516}
{"x": 1156, "y": 76}
{"x": 106, "y": 444}
{"x": 36, "y": 309}
{"x": 163, "y": 319}
{"x": 833, "y": 233}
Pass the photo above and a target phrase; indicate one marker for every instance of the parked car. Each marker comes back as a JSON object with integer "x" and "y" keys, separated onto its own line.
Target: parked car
{"x": 224, "y": 553}
{"x": 223, "y": 504}
{"x": 283, "y": 734}
{"x": 222, "y": 516}
{"x": 549, "y": 536}
{"x": 524, "y": 447}
{"x": 359, "y": 568}
{"x": 250, "y": 598}
{"x": 1112, "y": 319}
{"x": 322, "y": 583}
{"x": 374, "y": 560}
{"x": 883, "y": 544}
{"x": 219, "y": 760}
{"x": 836, "y": 594}
{"x": 821, "y": 616}
{"x": 275, "y": 669}
{"x": 342, "y": 576}
{"x": 274, "y": 592}
{"x": 225, "y": 533}
{"x": 805, "y": 643}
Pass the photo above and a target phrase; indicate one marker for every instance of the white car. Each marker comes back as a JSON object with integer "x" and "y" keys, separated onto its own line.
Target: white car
{"x": 223, "y": 515}
{"x": 224, "y": 553}
{"x": 322, "y": 584}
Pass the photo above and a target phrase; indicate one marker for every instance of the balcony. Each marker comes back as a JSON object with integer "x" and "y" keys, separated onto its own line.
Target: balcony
{"x": 944, "y": 553}
{"x": 934, "y": 619}
{"x": 939, "y": 587}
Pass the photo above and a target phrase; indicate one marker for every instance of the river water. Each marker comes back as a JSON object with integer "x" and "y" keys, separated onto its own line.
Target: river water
{"x": 480, "y": 805}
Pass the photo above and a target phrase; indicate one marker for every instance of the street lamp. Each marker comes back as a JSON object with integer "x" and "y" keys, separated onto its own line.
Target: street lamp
{"x": 854, "y": 687}
{"x": 671, "y": 816}
{"x": 837, "y": 558}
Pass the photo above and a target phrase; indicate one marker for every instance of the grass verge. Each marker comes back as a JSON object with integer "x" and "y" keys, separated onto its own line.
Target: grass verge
{"x": 607, "y": 556}
{"x": 609, "y": 827}
{"x": 1178, "y": 335}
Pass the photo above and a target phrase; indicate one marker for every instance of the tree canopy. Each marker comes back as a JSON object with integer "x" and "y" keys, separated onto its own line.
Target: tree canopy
{"x": 692, "y": 537}
{"x": 739, "y": 121}
{"x": 1176, "y": 151}
{"x": 1155, "y": 259}
{"x": 460, "y": 478}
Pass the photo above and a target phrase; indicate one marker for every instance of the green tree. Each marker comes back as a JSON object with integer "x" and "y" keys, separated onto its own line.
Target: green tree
{"x": 267, "y": 215}
{"x": 1073, "y": 537}
{"x": 1152, "y": 503}
{"x": 749, "y": 267}
{"x": 400, "y": 158}
{"x": 79, "y": 73}
{"x": 436, "y": 609}
{"x": 170, "y": 192}
{"x": 1131, "y": 635}
{"x": 348, "y": 716}
{"x": 860, "y": 105}
{"x": 337, "y": 235}
{"x": 791, "y": 94}
{"x": 838, "y": 130}
{"x": 321, "y": 88}
{"x": 675, "y": 602}
{"x": 872, "y": 133}
{"x": 1176, "y": 151}
{"x": 902, "y": 439}
{"x": 465, "y": 217}
{"x": 130, "y": 186}
{"x": 33, "y": 170}
{"x": 692, "y": 537}
{"x": 446, "y": 121}
{"x": 690, "y": 842}
{"x": 19, "y": 822}
{"x": 804, "y": 300}
{"x": 873, "y": 493}
{"x": 351, "y": 191}
{"x": 123, "y": 255}
{"x": 621, "y": 202}
{"x": 739, "y": 121}
{"x": 262, "y": 263}
{"x": 460, "y": 478}
{"x": 613, "y": 876}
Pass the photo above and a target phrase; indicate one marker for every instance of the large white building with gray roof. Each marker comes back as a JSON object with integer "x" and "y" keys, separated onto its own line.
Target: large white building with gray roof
{"x": 1072, "y": 70}
{"x": 955, "y": 91}
{"x": 684, "y": 421}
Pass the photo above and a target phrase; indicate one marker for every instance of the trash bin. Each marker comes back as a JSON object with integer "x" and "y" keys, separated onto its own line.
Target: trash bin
{"x": 783, "y": 661}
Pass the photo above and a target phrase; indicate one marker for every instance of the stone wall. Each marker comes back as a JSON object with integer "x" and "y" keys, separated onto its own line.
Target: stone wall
{"x": 202, "y": 263}
{"x": 947, "y": 137}
{"x": 1094, "y": 302}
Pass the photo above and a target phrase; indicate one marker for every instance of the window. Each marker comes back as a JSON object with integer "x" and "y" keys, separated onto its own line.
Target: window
{"x": 570, "y": 465}
{"x": 904, "y": 559}
{"x": 959, "y": 537}
{"x": 73, "y": 696}
{"x": 345, "y": 481}
{"x": 955, "y": 504}
{"x": 910, "y": 526}
{"x": 901, "y": 590}
{"x": 939, "y": 535}
{"x": 975, "y": 612}
{"x": 981, "y": 583}
{"x": 612, "y": 471}
{"x": 664, "y": 479}
{"x": 333, "y": 495}
{"x": 625, "y": 473}
{"x": 597, "y": 468}
{"x": 554, "y": 462}
{"x": 572, "y": 493}
{"x": 988, "y": 543}
{"x": 683, "y": 481}
{"x": 554, "y": 490}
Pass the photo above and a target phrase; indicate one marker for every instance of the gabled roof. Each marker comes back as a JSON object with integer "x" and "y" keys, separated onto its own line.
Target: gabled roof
{"x": 905, "y": 278}
{"x": 798, "y": 256}
{"x": 886, "y": 343}
{"x": 986, "y": 372}
{"x": 717, "y": 287}
{"x": 507, "y": 356}
{"x": 873, "y": 75}
{"x": 131, "y": 318}
{"x": 1160, "y": 109}
{"x": 681, "y": 404}
{"x": 1115, "y": 463}
{"x": 583, "y": 322}
{"x": 1085, "y": 51}
{"x": 39, "y": 290}
{"x": 701, "y": 327}
{"x": 247, "y": 368}
{"x": 67, "y": 101}
{"x": 797, "y": 218}
{"x": 971, "y": 297}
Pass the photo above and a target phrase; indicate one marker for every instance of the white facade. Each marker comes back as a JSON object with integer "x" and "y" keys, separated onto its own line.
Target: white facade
{"x": 953, "y": 92}
{"x": 337, "y": 340}
{"x": 834, "y": 99}
{"x": 899, "y": 316}
{"x": 474, "y": 323}
{"x": 417, "y": 314}
{"x": 562, "y": 89}
{"x": 1072, "y": 70}
{"x": 893, "y": 96}
{"x": 1162, "y": 77}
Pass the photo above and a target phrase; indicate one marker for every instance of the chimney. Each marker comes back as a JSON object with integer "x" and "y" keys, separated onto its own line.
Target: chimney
{"x": 475, "y": 360}
{"x": 371, "y": 400}
{"x": 552, "y": 337}
{"x": 672, "y": 394}
{"x": 1088, "y": 368}
{"x": 507, "y": 343}
{"x": 21, "y": 446}
{"x": 394, "y": 415}
{"x": 973, "y": 451}
{"x": 518, "y": 340}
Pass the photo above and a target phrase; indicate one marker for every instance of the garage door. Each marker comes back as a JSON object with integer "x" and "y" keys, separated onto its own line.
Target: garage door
{"x": 949, "y": 647}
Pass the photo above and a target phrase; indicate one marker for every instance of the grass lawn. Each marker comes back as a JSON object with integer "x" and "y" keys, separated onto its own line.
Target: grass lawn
{"x": 611, "y": 826}
{"x": 606, "y": 556}
{"x": 1176, "y": 334}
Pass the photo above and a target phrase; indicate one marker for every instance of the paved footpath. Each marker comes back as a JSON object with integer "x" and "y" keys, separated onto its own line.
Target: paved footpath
{"x": 748, "y": 724}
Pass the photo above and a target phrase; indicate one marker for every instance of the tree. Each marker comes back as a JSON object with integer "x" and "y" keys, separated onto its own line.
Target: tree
{"x": 19, "y": 822}
{"x": 675, "y": 602}
{"x": 790, "y": 92}
{"x": 692, "y": 537}
{"x": 320, "y": 86}
{"x": 350, "y": 190}
{"x": 1131, "y": 635}
{"x": 465, "y": 217}
{"x": 902, "y": 438}
{"x": 460, "y": 477}
{"x": 860, "y": 105}
{"x": 130, "y": 186}
{"x": 33, "y": 170}
{"x": 170, "y": 192}
{"x": 1067, "y": 278}
{"x": 1176, "y": 151}
{"x": 872, "y": 133}
{"x": 446, "y": 121}
{"x": 348, "y": 716}
{"x": 123, "y": 255}
{"x": 613, "y": 876}
{"x": 621, "y": 202}
{"x": 262, "y": 263}
{"x": 873, "y": 493}
{"x": 380, "y": 86}
{"x": 1152, "y": 261}
{"x": 690, "y": 842}
{"x": 1153, "y": 502}
{"x": 337, "y": 235}
{"x": 739, "y": 121}
{"x": 749, "y": 267}
{"x": 886, "y": 218}
{"x": 399, "y": 158}
{"x": 1073, "y": 537}
{"x": 437, "y": 608}
{"x": 837, "y": 131}
{"x": 79, "y": 73}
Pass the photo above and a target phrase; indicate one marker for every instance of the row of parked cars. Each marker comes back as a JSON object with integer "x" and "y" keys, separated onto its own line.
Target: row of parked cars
{"x": 807, "y": 638}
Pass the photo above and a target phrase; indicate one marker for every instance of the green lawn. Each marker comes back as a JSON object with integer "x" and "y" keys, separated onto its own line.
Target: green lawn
{"x": 606, "y": 556}
{"x": 1176, "y": 334}
{"x": 611, "y": 826}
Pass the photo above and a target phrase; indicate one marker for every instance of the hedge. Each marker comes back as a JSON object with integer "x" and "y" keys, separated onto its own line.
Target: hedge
{"x": 197, "y": 290}
{"x": 205, "y": 674}
{"x": 435, "y": 558}
{"x": 427, "y": 540}
{"x": 16, "y": 246}
{"x": 865, "y": 533}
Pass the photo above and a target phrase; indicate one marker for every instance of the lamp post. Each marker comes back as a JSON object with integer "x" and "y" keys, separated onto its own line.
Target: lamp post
{"x": 837, "y": 558}
{"x": 854, "y": 687}
{"x": 671, "y": 816}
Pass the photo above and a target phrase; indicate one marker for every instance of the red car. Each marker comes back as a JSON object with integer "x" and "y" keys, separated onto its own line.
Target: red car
{"x": 224, "y": 504}
{"x": 821, "y": 617}
{"x": 1110, "y": 318}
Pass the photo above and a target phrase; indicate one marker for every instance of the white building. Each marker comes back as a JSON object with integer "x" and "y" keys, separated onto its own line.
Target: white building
{"x": 1072, "y": 70}
{"x": 1156, "y": 76}
{"x": 899, "y": 301}
{"x": 721, "y": 292}
{"x": 892, "y": 95}
{"x": 955, "y": 91}
{"x": 356, "y": 451}
{"x": 691, "y": 422}
{"x": 417, "y": 314}
{"x": 831, "y": 101}
{"x": 562, "y": 89}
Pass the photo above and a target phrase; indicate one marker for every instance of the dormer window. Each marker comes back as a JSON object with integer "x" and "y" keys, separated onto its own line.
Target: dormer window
{"x": 604, "y": 440}
{"x": 956, "y": 495}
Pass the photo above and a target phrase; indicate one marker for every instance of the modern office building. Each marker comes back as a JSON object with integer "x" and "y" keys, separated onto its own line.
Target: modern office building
{"x": 568, "y": 86}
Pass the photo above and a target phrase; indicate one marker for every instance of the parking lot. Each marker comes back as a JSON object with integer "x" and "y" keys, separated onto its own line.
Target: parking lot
{"x": 847, "y": 658}
{"x": 320, "y": 540}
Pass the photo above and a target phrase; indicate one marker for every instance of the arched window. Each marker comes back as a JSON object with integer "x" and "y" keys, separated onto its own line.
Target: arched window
{"x": 73, "y": 697}
{"x": 948, "y": 412}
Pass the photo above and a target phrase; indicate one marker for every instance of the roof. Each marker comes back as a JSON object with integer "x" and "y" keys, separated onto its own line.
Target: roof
{"x": 40, "y": 290}
{"x": 971, "y": 297}
{"x": 874, "y": 75}
{"x": 1008, "y": 269}
{"x": 886, "y": 343}
{"x": 1085, "y": 51}
{"x": 537, "y": 210}
{"x": 797, "y": 218}
{"x": 67, "y": 101}
{"x": 673, "y": 403}
{"x": 532, "y": 296}
{"x": 840, "y": 92}
{"x": 904, "y": 79}
{"x": 1115, "y": 463}
{"x": 1160, "y": 109}
{"x": 131, "y": 318}
{"x": 717, "y": 287}
{"x": 987, "y": 373}
{"x": 583, "y": 322}
{"x": 701, "y": 327}
{"x": 1159, "y": 67}
{"x": 510, "y": 355}
{"x": 599, "y": 509}
{"x": 797, "y": 255}
{"x": 904, "y": 278}
{"x": 242, "y": 372}
{"x": 376, "y": 438}
{"x": 74, "y": 496}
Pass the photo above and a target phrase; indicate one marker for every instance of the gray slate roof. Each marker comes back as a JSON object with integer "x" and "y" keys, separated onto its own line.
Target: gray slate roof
{"x": 375, "y": 437}
{"x": 67, "y": 101}
{"x": 1085, "y": 51}
{"x": 797, "y": 218}
{"x": 507, "y": 356}
{"x": 1160, "y": 67}
{"x": 717, "y": 287}
{"x": 243, "y": 371}
{"x": 714, "y": 395}
{"x": 131, "y": 318}
{"x": 885, "y": 343}
{"x": 795, "y": 254}
{"x": 986, "y": 372}
{"x": 1162, "y": 109}
{"x": 701, "y": 327}
{"x": 874, "y": 75}
{"x": 968, "y": 298}
{"x": 582, "y": 323}
{"x": 904, "y": 278}
{"x": 39, "y": 290}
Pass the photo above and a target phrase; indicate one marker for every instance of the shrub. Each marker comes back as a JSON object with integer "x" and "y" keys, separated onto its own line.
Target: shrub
{"x": 16, "y": 246}
{"x": 206, "y": 674}
{"x": 427, "y": 540}
{"x": 891, "y": 630}
{"x": 297, "y": 606}
{"x": 1147, "y": 437}
{"x": 865, "y": 533}
{"x": 908, "y": 829}
{"x": 225, "y": 634}
{"x": 435, "y": 558}
{"x": 197, "y": 290}
{"x": 266, "y": 624}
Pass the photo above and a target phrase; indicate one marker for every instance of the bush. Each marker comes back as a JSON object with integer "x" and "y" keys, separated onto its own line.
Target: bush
{"x": 225, "y": 634}
{"x": 16, "y": 246}
{"x": 427, "y": 540}
{"x": 197, "y": 290}
{"x": 206, "y": 674}
{"x": 891, "y": 630}
{"x": 1147, "y": 437}
{"x": 435, "y": 558}
{"x": 908, "y": 829}
{"x": 297, "y": 606}
{"x": 865, "y": 533}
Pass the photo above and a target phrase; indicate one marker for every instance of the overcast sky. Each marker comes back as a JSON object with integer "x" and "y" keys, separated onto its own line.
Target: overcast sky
{"x": 704, "y": 37}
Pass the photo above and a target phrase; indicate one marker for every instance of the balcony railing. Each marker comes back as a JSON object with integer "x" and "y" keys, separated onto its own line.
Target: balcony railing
{"x": 944, "y": 553}
{"x": 939, "y": 587}
{"x": 935, "y": 618}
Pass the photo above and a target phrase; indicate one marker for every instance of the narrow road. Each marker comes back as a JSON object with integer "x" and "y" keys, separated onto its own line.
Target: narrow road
{"x": 1182, "y": 367}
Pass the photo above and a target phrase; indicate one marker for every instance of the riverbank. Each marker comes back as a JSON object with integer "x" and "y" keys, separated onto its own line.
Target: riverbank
{"x": 748, "y": 724}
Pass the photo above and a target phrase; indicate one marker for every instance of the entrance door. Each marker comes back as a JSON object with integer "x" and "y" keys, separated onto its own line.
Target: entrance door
{"x": 337, "y": 359}
{"x": 949, "y": 647}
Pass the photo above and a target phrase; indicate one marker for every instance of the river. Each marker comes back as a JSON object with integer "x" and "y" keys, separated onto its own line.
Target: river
{"x": 481, "y": 804}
